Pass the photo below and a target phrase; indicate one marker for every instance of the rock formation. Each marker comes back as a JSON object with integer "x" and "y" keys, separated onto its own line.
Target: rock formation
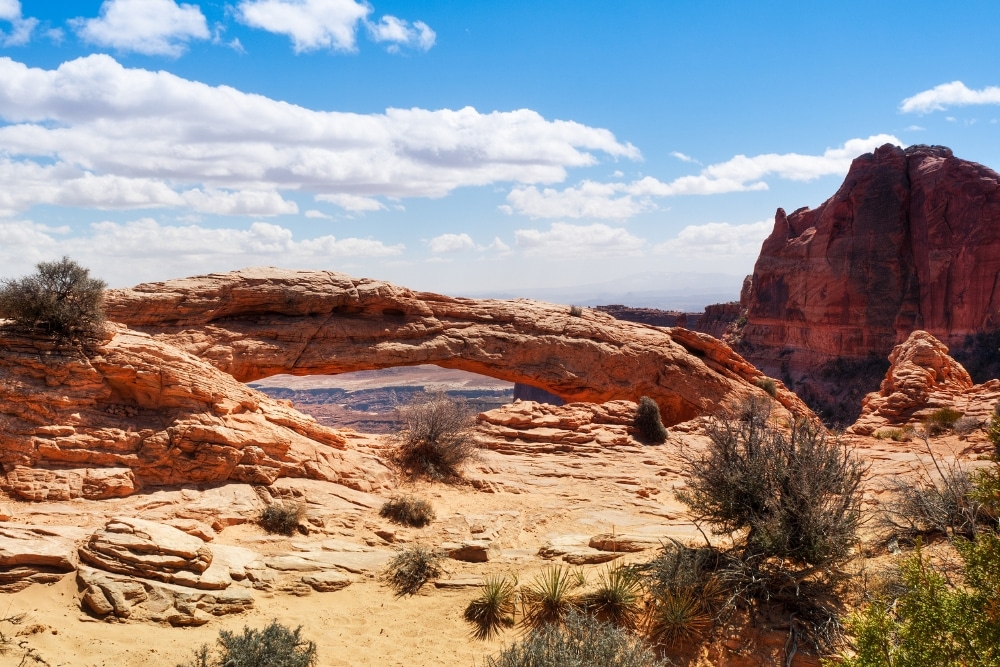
{"x": 131, "y": 411}
{"x": 923, "y": 378}
{"x": 260, "y": 322}
{"x": 911, "y": 240}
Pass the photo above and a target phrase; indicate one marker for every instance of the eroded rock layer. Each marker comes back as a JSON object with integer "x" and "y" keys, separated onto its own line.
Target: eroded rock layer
{"x": 259, "y": 322}
{"x": 131, "y": 411}
{"x": 910, "y": 241}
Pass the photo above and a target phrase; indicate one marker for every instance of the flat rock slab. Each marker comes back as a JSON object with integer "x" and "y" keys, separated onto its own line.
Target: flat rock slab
{"x": 459, "y": 582}
{"x": 325, "y": 582}
{"x": 50, "y": 546}
{"x": 316, "y": 561}
{"x": 472, "y": 551}
{"x": 628, "y": 543}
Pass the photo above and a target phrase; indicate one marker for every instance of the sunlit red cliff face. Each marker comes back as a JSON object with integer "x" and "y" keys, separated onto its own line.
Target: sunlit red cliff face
{"x": 911, "y": 240}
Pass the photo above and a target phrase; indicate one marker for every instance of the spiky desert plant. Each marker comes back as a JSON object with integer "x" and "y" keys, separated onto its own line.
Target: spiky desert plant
{"x": 408, "y": 510}
{"x": 677, "y": 617}
{"x": 550, "y": 596}
{"x": 411, "y": 568}
{"x": 647, "y": 421}
{"x": 494, "y": 608}
{"x": 617, "y": 598}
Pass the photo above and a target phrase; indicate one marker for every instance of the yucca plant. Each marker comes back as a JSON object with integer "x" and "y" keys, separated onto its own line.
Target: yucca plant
{"x": 494, "y": 609}
{"x": 677, "y": 617}
{"x": 617, "y": 598}
{"x": 550, "y": 596}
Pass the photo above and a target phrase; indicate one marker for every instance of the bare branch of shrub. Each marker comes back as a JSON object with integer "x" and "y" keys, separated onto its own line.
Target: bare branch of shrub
{"x": 436, "y": 439}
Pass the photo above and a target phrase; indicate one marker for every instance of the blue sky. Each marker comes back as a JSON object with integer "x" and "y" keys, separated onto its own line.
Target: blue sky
{"x": 462, "y": 147}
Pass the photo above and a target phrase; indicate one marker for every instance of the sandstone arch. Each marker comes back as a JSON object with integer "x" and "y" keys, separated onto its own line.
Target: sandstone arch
{"x": 259, "y": 322}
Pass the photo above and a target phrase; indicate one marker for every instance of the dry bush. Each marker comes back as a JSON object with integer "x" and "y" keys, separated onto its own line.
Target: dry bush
{"x": 282, "y": 519}
{"x": 648, "y": 425}
{"x": 60, "y": 297}
{"x": 411, "y": 568}
{"x": 941, "y": 421}
{"x": 436, "y": 438}
{"x": 408, "y": 510}
{"x": 274, "y": 646}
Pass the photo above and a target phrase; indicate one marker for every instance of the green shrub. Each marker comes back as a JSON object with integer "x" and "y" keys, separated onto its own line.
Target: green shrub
{"x": 993, "y": 431}
{"x": 647, "y": 422}
{"x": 274, "y": 646}
{"x": 580, "y": 641}
{"x": 60, "y": 298}
{"x": 281, "y": 519}
{"x": 408, "y": 510}
{"x": 941, "y": 421}
{"x": 618, "y": 598}
{"x": 494, "y": 608}
{"x": 436, "y": 439}
{"x": 792, "y": 495}
{"x": 935, "y": 621}
{"x": 768, "y": 385}
{"x": 551, "y": 595}
{"x": 411, "y": 568}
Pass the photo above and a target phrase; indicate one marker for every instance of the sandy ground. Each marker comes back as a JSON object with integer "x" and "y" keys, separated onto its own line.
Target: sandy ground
{"x": 626, "y": 490}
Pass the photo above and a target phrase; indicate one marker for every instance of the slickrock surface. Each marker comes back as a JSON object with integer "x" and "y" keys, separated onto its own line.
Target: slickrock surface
{"x": 527, "y": 426}
{"x": 260, "y": 322}
{"x": 36, "y": 554}
{"x": 921, "y": 379}
{"x": 910, "y": 241}
{"x": 132, "y": 411}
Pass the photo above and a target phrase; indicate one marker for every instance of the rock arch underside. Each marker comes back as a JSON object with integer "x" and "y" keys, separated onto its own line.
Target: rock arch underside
{"x": 161, "y": 400}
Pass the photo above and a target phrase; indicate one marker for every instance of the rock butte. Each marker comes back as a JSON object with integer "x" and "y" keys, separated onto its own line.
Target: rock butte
{"x": 910, "y": 241}
{"x": 259, "y": 322}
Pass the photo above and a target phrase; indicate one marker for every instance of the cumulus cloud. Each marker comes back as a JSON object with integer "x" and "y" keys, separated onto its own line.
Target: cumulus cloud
{"x": 564, "y": 241}
{"x": 398, "y": 32}
{"x": 152, "y": 27}
{"x": 21, "y": 27}
{"x": 619, "y": 201}
{"x": 310, "y": 24}
{"x": 451, "y": 243}
{"x": 716, "y": 240}
{"x": 145, "y": 249}
{"x": 355, "y": 203}
{"x": 954, "y": 94}
{"x": 93, "y": 133}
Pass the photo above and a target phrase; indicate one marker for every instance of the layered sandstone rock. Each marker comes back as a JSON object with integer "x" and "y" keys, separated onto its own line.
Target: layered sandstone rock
{"x": 910, "y": 241}
{"x": 259, "y": 322}
{"x": 923, "y": 378}
{"x": 528, "y": 426}
{"x": 131, "y": 411}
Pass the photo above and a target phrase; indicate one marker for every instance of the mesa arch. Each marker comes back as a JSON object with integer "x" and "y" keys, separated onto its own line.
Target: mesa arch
{"x": 255, "y": 323}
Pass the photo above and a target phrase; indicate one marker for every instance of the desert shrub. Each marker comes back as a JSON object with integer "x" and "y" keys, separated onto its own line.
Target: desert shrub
{"x": 618, "y": 597}
{"x": 580, "y": 641}
{"x": 904, "y": 434}
{"x": 408, "y": 510}
{"x": 576, "y": 311}
{"x": 436, "y": 439}
{"x": 934, "y": 621}
{"x": 60, "y": 297}
{"x": 550, "y": 596}
{"x": 494, "y": 608}
{"x": 768, "y": 385}
{"x": 966, "y": 425}
{"x": 411, "y": 568}
{"x": 945, "y": 507}
{"x": 941, "y": 421}
{"x": 993, "y": 431}
{"x": 647, "y": 422}
{"x": 281, "y": 519}
{"x": 794, "y": 494}
{"x": 274, "y": 646}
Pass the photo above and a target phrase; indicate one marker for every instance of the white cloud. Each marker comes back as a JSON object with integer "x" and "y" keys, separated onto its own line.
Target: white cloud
{"x": 716, "y": 240}
{"x": 451, "y": 243}
{"x": 682, "y": 157}
{"x": 565, "y": 241}
{"x": 401, "y": 33}
{"x": 313, "y": 214}
{"x": 152, "y": 27}
{"x": 498, "y": 245}
{"x": 914, "y": 128}
{"x": 354, "y": 203}
{"x": 21, "y": 27}
{"x": 618, "y": 201}
{"x": 132, "y": 137}
{"x": 311, "y": 24}
{"x": 147, "y": 250}
{"x": 954, "y": 94}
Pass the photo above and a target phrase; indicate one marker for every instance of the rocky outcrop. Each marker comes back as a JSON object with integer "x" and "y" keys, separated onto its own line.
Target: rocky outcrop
{"x": 528, "y": 426}
{"x": 910, "y": 241}
{"x": 36, "y": 554}
{"x": 259, "y": 322}
{"x": 130, "y": 411}
{"x": 923, "y": 378}
{"x": 653, "y": 316}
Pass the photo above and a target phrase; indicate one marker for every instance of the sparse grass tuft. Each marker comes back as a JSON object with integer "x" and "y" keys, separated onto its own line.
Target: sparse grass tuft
{"x": 281, "y": 519}
{"x": 494, "y": 608}
{"x": 411, "y": 568}
{"x": 941, "y": 421}
{"x": 768, "y": 385}
{"x": 408, "y": 510}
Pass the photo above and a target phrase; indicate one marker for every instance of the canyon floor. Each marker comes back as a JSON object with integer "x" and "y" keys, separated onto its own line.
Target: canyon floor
{"x": 527, "y": 501}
